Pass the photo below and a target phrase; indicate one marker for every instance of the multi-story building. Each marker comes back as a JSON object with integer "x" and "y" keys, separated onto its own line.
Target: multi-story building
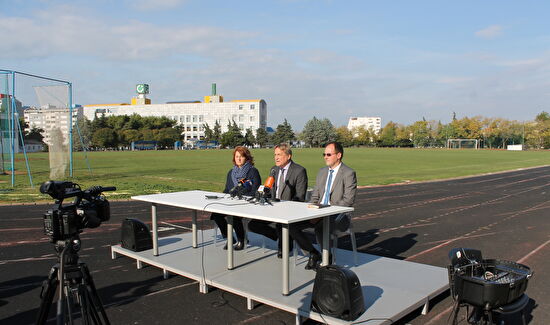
{"x": 191, "y": 115}
{"x": 369, "y": 123}
{"x": 49, "y": 118}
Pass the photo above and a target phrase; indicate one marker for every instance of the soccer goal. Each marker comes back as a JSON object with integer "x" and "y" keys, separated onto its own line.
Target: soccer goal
{"x": 462, "y": 143}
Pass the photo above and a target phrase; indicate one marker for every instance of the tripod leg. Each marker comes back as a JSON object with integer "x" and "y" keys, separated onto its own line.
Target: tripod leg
{"x": 84, "y": 303}
{"x": 48, "y": 292}
{"x": 92, "y": 309}
{"x": 94, "y": 297}
{"x": 69, "y": 305}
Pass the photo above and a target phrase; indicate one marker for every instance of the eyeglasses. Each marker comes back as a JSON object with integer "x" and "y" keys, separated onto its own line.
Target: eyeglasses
{"x": 327, "y": 154}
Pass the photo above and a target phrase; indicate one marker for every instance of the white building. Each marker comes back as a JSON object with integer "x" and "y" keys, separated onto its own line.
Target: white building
{"x": 49, "y": 118}
{"x": 369, "y": 123}
{"x": 192, "y": 115}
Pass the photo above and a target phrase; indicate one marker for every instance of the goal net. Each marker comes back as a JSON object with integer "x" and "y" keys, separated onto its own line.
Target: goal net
{"x": 462, "y": 143}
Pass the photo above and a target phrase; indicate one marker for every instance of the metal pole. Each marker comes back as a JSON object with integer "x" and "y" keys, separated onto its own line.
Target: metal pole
{"x": 194, "y": 228}
{"x": 25, "y": 154}
{"x": 286, "y": 276}
{"x": 32, "y": 75}
{"x": 3, "y": 131}
{"x": 12, "y": 130}
{"x": 155, "y": 229}
{"x": 326, "y": 243}
{"x": 230, "y": 261}
{"x": 70, "y": 129}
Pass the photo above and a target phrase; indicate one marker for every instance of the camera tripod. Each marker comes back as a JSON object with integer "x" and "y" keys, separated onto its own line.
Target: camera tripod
{"x": 75, "y": 286}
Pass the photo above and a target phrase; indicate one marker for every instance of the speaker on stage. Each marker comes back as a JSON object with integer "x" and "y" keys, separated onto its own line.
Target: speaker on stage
{"x": 135, "y": 235}
{"x": 337, "y": 293}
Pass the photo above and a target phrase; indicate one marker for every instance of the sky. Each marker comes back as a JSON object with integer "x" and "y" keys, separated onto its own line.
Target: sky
{"x": 400, "y": 60}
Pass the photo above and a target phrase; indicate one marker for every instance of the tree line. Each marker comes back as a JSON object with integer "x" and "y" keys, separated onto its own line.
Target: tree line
{"x": 490, "y": 132}
{"x": 121, "y": 131}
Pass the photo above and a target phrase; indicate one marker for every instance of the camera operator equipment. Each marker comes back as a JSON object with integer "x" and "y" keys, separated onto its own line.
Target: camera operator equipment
{"x": 63, "y": 224}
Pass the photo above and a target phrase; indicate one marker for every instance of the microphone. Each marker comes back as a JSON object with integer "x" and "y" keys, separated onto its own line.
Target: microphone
{"x": 243, "y": 186}
{"x": 246, "y": 185}
{"x": 264, "y": 191}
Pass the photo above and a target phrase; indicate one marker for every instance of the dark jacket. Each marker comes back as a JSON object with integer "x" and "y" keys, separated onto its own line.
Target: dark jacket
{"x": 253, "y": 175}
{"x": 295, "y": 185}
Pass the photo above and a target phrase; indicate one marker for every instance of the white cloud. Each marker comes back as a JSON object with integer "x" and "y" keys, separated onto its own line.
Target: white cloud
{"x": 69, "y": 33}
{"x": 489, "y": 32}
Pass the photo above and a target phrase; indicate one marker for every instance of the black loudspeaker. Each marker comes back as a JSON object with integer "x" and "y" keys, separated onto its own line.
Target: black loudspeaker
{"x": 337, "y": 293}
{"x": 135, "y": 235}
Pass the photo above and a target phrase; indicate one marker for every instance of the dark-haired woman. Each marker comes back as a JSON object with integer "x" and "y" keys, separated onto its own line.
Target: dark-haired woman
{"x": 243, "y": 167}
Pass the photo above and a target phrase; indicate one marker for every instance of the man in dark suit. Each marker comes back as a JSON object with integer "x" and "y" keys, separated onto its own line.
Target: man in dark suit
{"x": 290, "y": 185}
{"x": 336, "y": 184}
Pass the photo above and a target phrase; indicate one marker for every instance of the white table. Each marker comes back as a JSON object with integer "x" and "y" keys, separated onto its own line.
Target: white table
{"x": 283, "y": 212}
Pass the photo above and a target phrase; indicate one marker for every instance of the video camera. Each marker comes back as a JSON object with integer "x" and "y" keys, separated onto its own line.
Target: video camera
{"x": 88, "y": 210}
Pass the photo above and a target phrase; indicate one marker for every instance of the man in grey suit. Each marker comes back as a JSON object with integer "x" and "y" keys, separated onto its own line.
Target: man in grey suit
{"x": 290, "y": 185}
{"x": 336, "y": 184}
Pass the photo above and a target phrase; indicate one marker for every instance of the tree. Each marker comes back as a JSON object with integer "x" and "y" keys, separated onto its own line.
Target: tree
{"x": 135, "y": 122}
{"x": 388, "y": 135}
{"x": 317, "y": 132}
{"x": 249, "y": 138}
{"x": 82, "y": 134}
{"x": 362, "y": 136}
{"x": 539, "y": 135}
{"x": 283, "y": 133}
{"x": 403, "y": 135}
{"x": 233, "y": 137}
{"x": 217, "y": 132}
{"x": 167, "y": 136}
{"x": 99, "y": 122}
{"x": 420, "y": 134}
{"x": 208, "y": 133}
{"x": 153, "y": 122}
{"x": 118, "y": 122}
{"x": 262, "y": 137}
{"x": 344, "y": 136}
{"x": 131, "y": 135}
{"x": 147, "y": 135}
{"x": 34, "y": 134}
{"x": 104, "y": 138}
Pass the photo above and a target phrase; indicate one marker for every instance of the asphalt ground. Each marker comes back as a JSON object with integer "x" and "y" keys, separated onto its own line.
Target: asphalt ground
{"x": 504, "y": 215}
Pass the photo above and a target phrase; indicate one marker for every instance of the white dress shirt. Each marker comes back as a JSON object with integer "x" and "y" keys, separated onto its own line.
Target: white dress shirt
{"x": 281, "y": 179}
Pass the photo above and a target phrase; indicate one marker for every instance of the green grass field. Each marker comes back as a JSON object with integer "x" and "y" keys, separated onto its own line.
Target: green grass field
{"x": 146, "y": 172}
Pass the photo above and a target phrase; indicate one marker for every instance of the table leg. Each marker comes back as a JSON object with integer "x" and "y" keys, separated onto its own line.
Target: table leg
{"x": 194, "y": 228}
{"x": 286, "y": 277}
{"x": 229, "y": 242}
{"x": 155, "y": 229}
{"x": 326, "y": 246}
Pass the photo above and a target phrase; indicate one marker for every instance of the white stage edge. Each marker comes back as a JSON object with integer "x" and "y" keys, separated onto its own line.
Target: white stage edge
{"x": 391, "y": 288}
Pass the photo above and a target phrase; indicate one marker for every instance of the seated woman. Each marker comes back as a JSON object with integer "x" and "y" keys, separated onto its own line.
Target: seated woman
{"x": 243, "y": 167}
